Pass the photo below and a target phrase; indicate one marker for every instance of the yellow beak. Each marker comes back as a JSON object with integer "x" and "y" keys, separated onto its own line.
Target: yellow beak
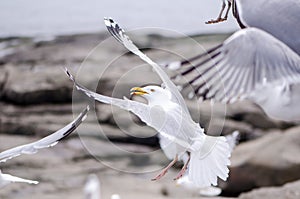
{"x": 137, "y": 91}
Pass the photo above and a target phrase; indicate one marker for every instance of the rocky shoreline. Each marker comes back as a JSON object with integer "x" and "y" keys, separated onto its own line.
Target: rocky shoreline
{"x": 36, "y": 98}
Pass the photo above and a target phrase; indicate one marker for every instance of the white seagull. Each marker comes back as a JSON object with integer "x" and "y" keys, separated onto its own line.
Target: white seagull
{"x": 6, "y": 179}
{"x": 46, "y": 142}
{"x": 167, "y": 113}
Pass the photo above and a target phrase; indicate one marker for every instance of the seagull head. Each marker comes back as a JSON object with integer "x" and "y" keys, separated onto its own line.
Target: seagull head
{"x": 155, "y": 95}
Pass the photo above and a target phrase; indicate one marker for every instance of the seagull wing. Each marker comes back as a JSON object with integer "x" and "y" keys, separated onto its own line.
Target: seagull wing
{"x": 277, "y": 17}
{"x": 244, "y": 62}
{"x": 46, "y": 142}
{"x": 119, "y": 34}
{"x": 10, "y": 178}
{"x": 155, "y": 116}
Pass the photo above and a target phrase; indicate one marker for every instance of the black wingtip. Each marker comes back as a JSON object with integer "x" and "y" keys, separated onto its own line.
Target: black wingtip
{"x": 77, "y": 122}
{"x": 114, "y": 29}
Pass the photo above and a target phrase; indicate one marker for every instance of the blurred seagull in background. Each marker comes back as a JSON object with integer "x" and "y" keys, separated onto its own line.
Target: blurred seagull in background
{"x": 6, "y": 179}
{"x": 167, "y": 113}
{"x": 92, "y": 188}
{"x": 260, "y": 63}
{"x": 46, "y": 142}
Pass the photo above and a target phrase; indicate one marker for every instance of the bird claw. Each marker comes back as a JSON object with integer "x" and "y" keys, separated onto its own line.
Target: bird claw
{"x": 160, "y": 175}
{"x": 218, "y": 20}
{"x": 180, "y": 174}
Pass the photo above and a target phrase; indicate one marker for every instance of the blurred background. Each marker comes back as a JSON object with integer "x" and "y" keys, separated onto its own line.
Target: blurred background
{"x": 38, "y": 38}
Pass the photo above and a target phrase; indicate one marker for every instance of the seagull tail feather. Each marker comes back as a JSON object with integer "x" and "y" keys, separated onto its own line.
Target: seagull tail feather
{"x": 209, "y": 160}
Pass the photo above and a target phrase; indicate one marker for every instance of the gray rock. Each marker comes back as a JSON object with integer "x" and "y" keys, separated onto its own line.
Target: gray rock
{"x": 267, "y": 161}
{"x": 25, "y": 86}
{"x": 288, "y": 191}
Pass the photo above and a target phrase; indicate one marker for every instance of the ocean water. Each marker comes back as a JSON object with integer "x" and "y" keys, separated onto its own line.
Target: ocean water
{"x": 60, "y": 17}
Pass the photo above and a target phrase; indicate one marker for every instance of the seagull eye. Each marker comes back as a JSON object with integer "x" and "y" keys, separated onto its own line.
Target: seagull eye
{"x": 152, "y": 90}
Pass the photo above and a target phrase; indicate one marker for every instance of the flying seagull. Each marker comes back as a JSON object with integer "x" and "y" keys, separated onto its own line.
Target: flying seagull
{"x": 251, "y": 64}
{"x": 167, "y": 113}
{"x": 260, "y": 63}
{"x": 6, "y": 179}
{"x": 46, "y": 142}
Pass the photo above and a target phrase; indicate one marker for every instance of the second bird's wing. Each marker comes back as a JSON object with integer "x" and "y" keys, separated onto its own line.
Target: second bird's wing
{"x": 48, "y": 141}
{"x": 244, "y": 62}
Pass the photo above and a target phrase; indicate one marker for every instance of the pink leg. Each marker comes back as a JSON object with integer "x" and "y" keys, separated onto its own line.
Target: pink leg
{"x": 183, "y": 170}
{"x": 165, "y": 170}
{"x": 219, "y": 18}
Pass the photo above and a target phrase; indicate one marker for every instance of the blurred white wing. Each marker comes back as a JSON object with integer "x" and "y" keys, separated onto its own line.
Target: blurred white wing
{"x": 46, "y": 142}
{"x": 17, "y": 179}
{"x": 246, "y": 61}
{"x": 6, "y": 179}
{"x": 119, "y": 34}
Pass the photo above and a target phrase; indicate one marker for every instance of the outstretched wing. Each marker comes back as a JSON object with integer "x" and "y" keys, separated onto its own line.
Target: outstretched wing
{"x": 46, "y": 142}
{"x": 154, "y": 116}
{"x": 140, "y": 109}
{"x": 119, "y": 34}
{"x": 246, "y": 61}
{"x": 11, "y": 178}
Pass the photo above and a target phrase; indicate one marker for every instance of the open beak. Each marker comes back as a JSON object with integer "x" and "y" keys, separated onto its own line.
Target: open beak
{"x": 137, "y": 91}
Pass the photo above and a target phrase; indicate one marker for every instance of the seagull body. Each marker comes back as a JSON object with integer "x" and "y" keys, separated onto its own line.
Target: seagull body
{"x": 6, "y": 179}
{"x": 167, "y": 113}
{"x": 46, "y": 142}
{"x": 278, "y": 18}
